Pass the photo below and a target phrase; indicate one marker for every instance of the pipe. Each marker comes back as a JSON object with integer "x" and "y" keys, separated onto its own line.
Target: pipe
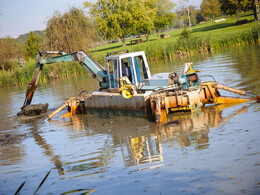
{"x": 239, "y": 91}
{"x": 57, "y": 111}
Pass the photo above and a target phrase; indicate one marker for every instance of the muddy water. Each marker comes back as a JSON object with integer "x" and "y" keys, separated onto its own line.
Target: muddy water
{"x": 215, "y": 151}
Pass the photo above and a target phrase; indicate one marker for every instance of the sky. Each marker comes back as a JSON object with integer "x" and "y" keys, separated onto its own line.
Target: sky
{"x": 22, "y": 16}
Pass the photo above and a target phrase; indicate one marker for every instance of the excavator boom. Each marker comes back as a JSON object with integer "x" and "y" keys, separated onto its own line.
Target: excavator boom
{"x": 85, "y": 60}
{"x": 96, "y": 70}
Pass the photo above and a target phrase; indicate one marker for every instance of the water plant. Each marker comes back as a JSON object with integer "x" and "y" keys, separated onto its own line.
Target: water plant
{"x": 21, "y": 186}
{"x": 85, "y": 191}
{"x": 23, "y": 75}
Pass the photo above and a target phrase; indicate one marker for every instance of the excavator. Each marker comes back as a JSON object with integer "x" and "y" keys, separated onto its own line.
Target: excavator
{"x": 85, "y": 60}
{"x": 141, "y": 94}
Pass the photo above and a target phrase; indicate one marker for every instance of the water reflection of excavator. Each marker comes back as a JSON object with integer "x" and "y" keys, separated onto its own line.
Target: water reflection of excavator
{"x": 193, "y": 129}
{"x": 142, "y": 150}
{"x": 141, "y": 142}
{"x": 46, "y": 147}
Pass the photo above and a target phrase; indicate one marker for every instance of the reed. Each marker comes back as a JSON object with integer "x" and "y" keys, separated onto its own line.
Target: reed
{"x": 188, "y": 45}
{"x": 23, "y": 75}
{"x": 17, "y": 76}
{"x": 199, "y": 44}
{"x": 242, "y": 37}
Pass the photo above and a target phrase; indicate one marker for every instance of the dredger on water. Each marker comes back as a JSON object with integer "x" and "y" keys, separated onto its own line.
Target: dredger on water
{"x": 128, "y": 88}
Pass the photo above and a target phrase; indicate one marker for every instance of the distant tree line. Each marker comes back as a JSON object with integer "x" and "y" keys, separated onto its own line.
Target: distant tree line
{"x": 213, "y": 8}
{"x": 104, "y": 20}
{"x": 210, "y": 9}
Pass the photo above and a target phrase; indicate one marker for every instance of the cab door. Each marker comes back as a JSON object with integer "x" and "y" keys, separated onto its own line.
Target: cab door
{"x": 113, "y": 73}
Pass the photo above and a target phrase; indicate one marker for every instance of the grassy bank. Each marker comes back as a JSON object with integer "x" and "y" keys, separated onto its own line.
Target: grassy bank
{"x": 205, "y": 37}
{"x": 21, "y": 76}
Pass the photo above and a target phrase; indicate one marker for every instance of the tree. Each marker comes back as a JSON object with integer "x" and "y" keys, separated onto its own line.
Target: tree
{"x": 119, "y": 18}
{"x": 164, "y": 16}
{"x": 143, "y": 13}
{"x": 8, "y": 51}
{"x": 71, "y": 31}
{"x": 31, "y": 46}
{"x": 231, "y": 7}
{"x": 252, "y": 5}
{"x": 199, "y": 18}
{"x": 184, "y": 14}
{"x": 113, "y": 17}
{"x": 186, "y": 7}
{"x": 182, "y": 17}
{"x": 210, "y": 8}
{"x": 194, "y": 12}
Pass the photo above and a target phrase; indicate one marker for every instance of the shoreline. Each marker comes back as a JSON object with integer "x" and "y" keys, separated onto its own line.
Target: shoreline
{"x": 194, "y": 45}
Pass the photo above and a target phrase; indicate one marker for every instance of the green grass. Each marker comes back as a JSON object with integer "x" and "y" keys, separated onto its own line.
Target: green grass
{"x": 204, "y": 38}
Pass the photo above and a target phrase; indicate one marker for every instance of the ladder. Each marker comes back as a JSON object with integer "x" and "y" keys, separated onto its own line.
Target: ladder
{"x": 257, "y": 11}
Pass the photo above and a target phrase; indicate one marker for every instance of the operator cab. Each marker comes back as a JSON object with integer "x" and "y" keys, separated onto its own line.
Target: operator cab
{"x": 131, "y": 64}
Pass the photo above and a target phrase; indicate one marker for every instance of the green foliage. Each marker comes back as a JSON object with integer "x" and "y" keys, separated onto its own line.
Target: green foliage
{"x": 256, "y": 34}
{"x": 21, "y": 76}
{"x": 71, "y": 31}
{"x": 203, "y": 38}
{"x": 195, "y": 15}
{"x": 10, "y": 65}
{"x": 18, "y": 76}
{"x": 113, "y": 17}
{"x": 185, "y": 34}
{"x": 231, "y": 7}
{"x": 8, "y": 51}
{"x": 144, "y": 13}
{"x": 210, "y": 8}
{"x": 31, "y": 46}
{"x": 182, "y": 19}
{"x": 164, "y": 16}
{"x": 201, "y": 44}
{"x": 119, "y": 18}
{"x": 228, "y": 7}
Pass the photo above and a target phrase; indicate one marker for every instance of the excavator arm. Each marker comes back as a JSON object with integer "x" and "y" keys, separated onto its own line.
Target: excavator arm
{"x": 95, "y": 69}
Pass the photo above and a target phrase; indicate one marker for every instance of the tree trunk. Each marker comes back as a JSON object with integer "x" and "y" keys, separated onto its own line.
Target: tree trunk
{"x": 147, "y": 37}
{"x": 182, "y": 24}
{"x": 188, "y": 11}
{"x": 237, "y": 14}
{"x": 157, "y": 31}
{"x": 123, "y": 41}
{"x": 255, "y": 13}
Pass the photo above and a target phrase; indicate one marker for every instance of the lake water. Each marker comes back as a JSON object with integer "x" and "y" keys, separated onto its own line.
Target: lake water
{"x": 215, "y": 151}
